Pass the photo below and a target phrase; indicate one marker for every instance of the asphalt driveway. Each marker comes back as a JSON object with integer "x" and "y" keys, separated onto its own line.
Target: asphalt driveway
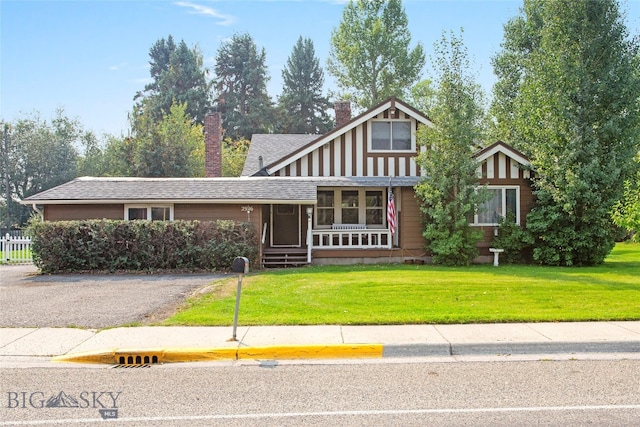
{"x": 90, "y": 300}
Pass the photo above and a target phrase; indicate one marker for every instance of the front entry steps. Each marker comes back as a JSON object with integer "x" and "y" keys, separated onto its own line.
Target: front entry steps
{"x": 284, "y": 257}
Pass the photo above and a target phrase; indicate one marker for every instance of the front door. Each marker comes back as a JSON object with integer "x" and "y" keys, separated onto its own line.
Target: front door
{"x": 285, "y": 225}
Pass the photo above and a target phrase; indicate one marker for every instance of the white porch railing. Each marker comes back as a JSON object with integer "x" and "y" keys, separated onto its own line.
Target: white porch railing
{"x": 16, "y": 249}
{"x": 352, "y": 239}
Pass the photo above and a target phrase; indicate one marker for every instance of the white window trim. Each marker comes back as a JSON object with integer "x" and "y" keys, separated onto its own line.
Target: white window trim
{"x": 370, "y": 134}
{"x": 504, "y": 204}
{"x": 148, "y": 208}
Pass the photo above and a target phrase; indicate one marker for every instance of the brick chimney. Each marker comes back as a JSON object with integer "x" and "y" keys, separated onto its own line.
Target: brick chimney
{"x": 213, "y": 144}
{"x": 343, "y": 112}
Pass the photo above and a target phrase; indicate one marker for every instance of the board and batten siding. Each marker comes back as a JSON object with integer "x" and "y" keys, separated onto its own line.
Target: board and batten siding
{"x": 348, "y": 155}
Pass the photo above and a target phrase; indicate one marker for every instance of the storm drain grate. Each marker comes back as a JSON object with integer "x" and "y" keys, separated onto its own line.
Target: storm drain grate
{"x": 137, "y": 360}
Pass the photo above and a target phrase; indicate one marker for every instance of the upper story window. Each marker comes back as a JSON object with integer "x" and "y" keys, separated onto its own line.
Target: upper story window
{"x": 149, "y": 212}
{"x": 503, "y": 201}
{"x": 391, "y": 135}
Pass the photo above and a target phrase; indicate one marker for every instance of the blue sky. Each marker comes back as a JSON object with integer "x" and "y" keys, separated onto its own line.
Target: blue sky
{"x": 91, "y": 57}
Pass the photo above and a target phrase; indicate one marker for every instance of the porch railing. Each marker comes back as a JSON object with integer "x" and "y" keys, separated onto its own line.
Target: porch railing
{"x": 352, "y": 239}
{"x": 15, "y": 249}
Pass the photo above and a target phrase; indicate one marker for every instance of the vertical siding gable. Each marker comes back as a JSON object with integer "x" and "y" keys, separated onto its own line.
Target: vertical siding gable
{"x": 348, "y": 155}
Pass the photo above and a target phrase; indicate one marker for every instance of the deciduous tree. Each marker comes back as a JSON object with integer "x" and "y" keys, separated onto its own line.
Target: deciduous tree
{"x": 569, "y": 93}
{"x": 173, "y": 147}
{"x": 370, "y": 53}
{"x": 448, "y": 192}
{"x": 40, "y": 155}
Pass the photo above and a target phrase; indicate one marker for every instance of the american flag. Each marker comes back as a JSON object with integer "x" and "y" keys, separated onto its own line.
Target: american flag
{"x": 391, "y": 212}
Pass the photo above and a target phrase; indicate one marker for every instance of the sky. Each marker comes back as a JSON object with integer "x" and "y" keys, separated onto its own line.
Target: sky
{"x": 91, "y": 57}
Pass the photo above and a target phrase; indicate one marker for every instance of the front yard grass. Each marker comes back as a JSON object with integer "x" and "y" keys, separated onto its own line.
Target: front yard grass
{"x": 413, "y": 294}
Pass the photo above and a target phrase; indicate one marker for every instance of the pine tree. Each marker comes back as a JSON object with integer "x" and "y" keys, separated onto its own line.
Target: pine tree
{"x": 305, "y": 109}
{"x": 241, "y": 86}
{"x": 178, "y": 77}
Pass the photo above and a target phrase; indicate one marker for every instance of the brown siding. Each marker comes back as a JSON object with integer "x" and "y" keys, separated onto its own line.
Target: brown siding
{"x": 211, "y": 212}
{"x": 411, "y": 239}
{"x": 201, "y": 212}
{"x": 81, "y": 212}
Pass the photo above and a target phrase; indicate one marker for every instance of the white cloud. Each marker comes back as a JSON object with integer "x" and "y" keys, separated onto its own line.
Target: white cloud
{"x": 198, "y": 9}
{"x": 117, "y": 67}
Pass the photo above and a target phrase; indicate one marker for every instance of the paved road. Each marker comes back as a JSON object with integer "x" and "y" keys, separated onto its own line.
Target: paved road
{"x": 558, "y": 393}
{"x": 90, "y": 301}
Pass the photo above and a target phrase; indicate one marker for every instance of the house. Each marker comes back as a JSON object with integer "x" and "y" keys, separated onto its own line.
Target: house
{"x": 319, "y": 199}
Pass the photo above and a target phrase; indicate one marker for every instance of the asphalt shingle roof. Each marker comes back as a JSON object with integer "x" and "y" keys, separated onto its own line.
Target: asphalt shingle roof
{"x": 266, "y": 189}
{"x": 272, "y": 147}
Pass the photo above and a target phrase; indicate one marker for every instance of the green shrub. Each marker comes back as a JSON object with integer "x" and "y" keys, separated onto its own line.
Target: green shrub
{"x": 514, "y": 239}
{"x": 115, "y": 245}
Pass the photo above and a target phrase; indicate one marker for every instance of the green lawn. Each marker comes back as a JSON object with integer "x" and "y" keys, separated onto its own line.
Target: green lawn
{"x": 22, "y": 254}
{"x": 404, "y": 294}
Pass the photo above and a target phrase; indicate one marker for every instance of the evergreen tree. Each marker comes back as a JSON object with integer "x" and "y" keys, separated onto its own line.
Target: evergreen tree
{"x": 241, "y": 85}
{"x": 448, "y": 192}
{"x": 305, "y": 109}
{"x": 570, "y": 93}
{"x": 178, "y": 77}
{"x": 370, "y": 55}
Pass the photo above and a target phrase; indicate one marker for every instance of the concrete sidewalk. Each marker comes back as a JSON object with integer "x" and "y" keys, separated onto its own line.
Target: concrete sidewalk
{"x": 155, "y": 344}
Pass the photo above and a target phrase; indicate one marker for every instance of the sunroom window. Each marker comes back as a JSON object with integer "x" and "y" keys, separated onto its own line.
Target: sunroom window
{"x": 502, "y": 202}
{"x": 325, "y": 213}
{"x": 149, "y": 212}
{"x": 391, "y": 135}
{"x": 351, "y": 207}
{"x": 374, "y": 208}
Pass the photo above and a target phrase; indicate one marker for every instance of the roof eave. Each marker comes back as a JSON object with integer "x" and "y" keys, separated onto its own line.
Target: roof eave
{"x": 168, "y": 201}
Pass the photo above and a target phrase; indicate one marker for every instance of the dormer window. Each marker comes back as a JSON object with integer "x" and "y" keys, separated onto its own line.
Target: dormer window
{"x": 391, "y": 135}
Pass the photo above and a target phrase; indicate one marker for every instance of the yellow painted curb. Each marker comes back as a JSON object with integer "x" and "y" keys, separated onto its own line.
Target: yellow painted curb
{"x": 87, "y": 357}
{"x": 332, "y": 351}
{"x": 175, "y": 355}
{"x": 149, "y": 356}
{"x": 199, "y": 354}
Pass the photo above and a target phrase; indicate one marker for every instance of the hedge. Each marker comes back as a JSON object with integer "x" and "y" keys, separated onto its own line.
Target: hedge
{"x": 116, "y": 245}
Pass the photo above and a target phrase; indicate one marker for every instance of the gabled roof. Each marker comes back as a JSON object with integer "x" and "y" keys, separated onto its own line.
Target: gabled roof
{"x": 259, "y": 189}
{"x": 287, "y": 158}
{"x": 501, "y": 147}
{"x": 272, "y": 147}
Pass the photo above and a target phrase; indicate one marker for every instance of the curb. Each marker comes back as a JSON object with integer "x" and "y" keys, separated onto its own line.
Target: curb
{"x": 134, "y": 356}
{"x": 508, "y": 348}
{"x": 176, "y": 355}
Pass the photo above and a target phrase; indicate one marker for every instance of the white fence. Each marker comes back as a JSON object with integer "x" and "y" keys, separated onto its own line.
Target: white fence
{"x": 16, "y": 249}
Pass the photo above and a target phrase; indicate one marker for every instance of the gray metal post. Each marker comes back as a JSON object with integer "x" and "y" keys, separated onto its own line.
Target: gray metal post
{"x": 235, "y": 315}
